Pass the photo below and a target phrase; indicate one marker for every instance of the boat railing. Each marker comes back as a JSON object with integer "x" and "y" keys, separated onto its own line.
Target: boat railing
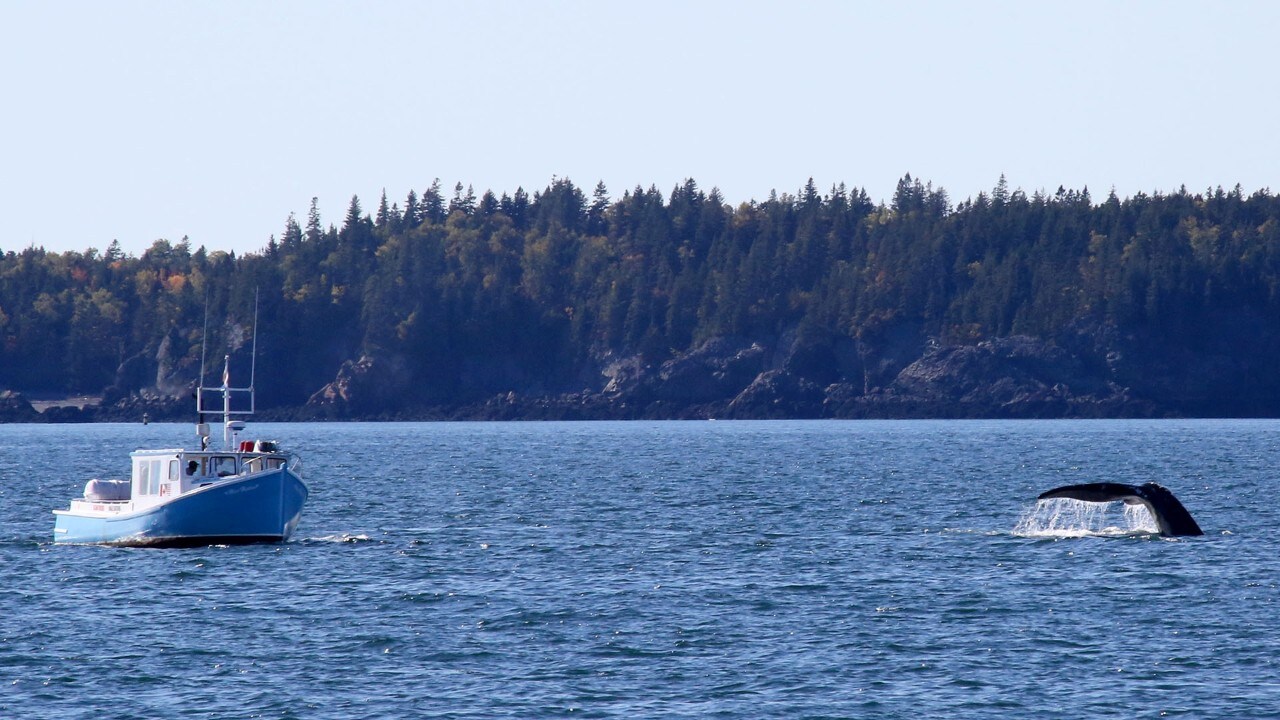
{"x": 256, "y": 462}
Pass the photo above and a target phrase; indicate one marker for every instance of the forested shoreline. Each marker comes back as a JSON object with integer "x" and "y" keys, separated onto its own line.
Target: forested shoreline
{"x": 567, "y": 303}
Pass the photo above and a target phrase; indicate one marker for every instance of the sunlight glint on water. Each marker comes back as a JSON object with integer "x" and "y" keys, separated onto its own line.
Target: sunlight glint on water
{"x": 683, "y": 570}
{"x": 1064, "y": 517}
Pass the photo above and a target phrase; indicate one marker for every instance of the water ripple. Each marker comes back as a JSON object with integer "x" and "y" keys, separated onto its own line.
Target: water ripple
{"x": 687, "y": 570}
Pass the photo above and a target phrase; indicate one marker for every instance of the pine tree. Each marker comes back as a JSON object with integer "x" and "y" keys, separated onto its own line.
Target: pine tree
{"x": 412, "y": 213}
{"x": 292, "y": 236}
{"x": 596, "y": 223}
{"x": 314, "y": 231}
{"x": 433, "y": 204}
{"x": 383, "y": 218}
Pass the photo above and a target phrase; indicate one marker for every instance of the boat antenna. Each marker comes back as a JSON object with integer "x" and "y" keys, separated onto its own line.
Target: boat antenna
{"x": 228, "y": 430}
{"x": 225, "y": 391}
{"x": 204, "y": 339}
{"x": 253, "y": 362}
{"x": 202, "y": 430}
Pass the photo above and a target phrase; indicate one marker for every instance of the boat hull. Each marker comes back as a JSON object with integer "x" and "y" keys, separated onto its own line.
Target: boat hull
{"x": 262, "y": 507}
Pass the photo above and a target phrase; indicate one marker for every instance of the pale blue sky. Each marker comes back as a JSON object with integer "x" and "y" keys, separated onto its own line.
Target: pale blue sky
{"x": 139, "y": 120}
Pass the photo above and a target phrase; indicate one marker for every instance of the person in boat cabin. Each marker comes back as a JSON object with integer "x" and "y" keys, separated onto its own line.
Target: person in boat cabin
{"x": 192, "y": 467}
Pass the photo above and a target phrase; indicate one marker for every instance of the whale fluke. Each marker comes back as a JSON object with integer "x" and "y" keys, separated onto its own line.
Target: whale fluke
{"x": 1171, "y": 517}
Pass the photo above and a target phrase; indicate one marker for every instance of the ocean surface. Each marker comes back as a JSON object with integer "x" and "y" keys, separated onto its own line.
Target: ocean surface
{"x": 854, "y": 569}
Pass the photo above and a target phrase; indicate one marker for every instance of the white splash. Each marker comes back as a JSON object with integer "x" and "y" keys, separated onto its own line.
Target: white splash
{"x": 1063, "y": 517}
{"x": 340, "y": 538}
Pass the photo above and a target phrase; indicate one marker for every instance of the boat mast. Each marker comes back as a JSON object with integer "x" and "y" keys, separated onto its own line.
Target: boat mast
{"x": 230, "y": 427}
{"x": 202, "y": 428}
{"x": 227, "y": 432}
{"x": 253, "y": 356}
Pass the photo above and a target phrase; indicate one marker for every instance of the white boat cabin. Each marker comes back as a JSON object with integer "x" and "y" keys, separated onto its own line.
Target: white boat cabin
{"x": 161, "y": 475}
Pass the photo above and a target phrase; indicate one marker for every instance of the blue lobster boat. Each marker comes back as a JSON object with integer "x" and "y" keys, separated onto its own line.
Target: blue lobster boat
{"x": 250, "y": 491}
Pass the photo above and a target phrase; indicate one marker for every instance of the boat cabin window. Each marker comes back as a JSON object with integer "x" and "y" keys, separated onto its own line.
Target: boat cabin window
{"x": 173, "y": 469}
{"x": 152, "y": 472}
{"x": 260, "y": 463}
{"x": 222, "y": 465}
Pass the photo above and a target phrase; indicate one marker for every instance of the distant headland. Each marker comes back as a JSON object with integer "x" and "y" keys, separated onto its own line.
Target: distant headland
{"x": 563, "y": 304}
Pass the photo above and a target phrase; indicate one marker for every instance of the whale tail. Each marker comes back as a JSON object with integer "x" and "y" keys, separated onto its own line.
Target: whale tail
{"x": 1170, "y": 515}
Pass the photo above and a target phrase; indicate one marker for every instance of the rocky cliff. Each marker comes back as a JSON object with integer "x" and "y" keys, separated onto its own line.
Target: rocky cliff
{"x": 896, "y": 373}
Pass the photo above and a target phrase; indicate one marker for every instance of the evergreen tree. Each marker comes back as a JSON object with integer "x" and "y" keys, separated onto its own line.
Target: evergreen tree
{"x": 314, "y": 231}
{"x": 544, "y": 286}
{"x": 412, "y": 214}
{"x": 433, "y": 204}
{"x": 383, "y": 219}
{"x": 596, "y": 222}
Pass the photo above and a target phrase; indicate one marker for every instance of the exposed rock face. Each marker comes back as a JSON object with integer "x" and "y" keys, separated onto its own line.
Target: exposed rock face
{"x": 816, "y": 375}
{"x": 170, "y": 379}
{"x": 716, "y": 370}
{"x": 623, "y": 374}
{"x": 777, "y": 394}
{"x": 134, "y": 374}
{"x": 14, "y": 407}
{"x": 156, "y": 381}
{"x": 696, "y": 384}
{"x": 367, "y": 386}
{"x": 1008, "y": 377}
{"x": 892, "y": 372}
{"x": 148, "y": 403}
{"x": 813, "y": 375}
{"x": 886, "y": 349}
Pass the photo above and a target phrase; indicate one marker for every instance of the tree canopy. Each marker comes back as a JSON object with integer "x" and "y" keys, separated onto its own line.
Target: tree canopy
{"x": 530, "y": 288}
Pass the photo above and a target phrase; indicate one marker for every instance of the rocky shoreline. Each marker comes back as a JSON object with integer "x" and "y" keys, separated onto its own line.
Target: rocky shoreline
{"x": 898, "y": 374}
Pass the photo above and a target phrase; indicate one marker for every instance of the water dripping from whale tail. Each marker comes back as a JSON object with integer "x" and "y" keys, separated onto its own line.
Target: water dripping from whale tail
{"x": 1171, "y": 518}
{"x": 1067, "y": 518}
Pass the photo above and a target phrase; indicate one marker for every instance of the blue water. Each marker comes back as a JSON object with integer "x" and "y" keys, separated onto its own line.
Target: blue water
{"x": 661, "y": 570}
